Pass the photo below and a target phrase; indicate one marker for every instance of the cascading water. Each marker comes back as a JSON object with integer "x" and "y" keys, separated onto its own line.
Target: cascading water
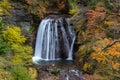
{"x": 55, "y": 39}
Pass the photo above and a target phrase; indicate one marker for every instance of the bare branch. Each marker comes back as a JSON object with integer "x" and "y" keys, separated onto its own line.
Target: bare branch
{"x": 110, "y": 44}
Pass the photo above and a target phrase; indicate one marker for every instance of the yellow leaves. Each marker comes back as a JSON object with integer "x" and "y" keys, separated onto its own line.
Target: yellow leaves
{"x": 33, "y": 73}
{"x": 110, "y": 55}
{"x": 1, "y": 11}
{"x": 86, "y": 66}
{"x": 109, "y": 23}
{"x": 12, "y": 35}
{"x": 22, "y": 54}
{"x": 73, "y": 7}
{"x": 5, "y": 75}
{"x": 82, "y": 47}
{"x": 16, "y": 60}
{"x": 72, "y": 12}
{"x": 4, "y": 7}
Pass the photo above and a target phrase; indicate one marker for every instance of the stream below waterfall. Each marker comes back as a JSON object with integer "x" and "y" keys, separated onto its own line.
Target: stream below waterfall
{"x": 59, "y": 70}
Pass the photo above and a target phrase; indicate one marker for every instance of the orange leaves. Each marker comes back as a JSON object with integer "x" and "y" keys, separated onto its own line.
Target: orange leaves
{"x": 95, "y": 19}
{"x": 94, "y": 15}
{"x": 115, "y": 65}
{"x": 99, "y": 12}
{"x": 61, "y": 4}
{"x": 105, "y": 41}
{"x": 109, "y": 56}
{"x": 100, "y": 57}
{"x": 90, "y": 14}
{"x": 114, "y": 50}
{"x": 96, "y": 48}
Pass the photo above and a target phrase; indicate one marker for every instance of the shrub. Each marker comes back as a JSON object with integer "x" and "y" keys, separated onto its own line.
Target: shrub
{"x": 4, "y": 7}
{"x": 32, "y": 73}
{"x": 20, "y": 73}
{"x": 5, "y": 75}
{"x": 3, "y": 47}
{"x": 1, "y": 25}
{"x": 12, "y": 35}
{"x": 73, "y": 8}
{"x": 22, "y": 53}
{"x": 107, "y": 54}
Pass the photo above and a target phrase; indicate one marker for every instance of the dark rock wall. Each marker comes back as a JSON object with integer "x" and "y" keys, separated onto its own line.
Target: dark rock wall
{"x": 19, "y": 17}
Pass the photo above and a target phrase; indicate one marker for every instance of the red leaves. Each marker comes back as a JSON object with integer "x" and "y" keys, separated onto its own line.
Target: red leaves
{"x": 95, "y": 15}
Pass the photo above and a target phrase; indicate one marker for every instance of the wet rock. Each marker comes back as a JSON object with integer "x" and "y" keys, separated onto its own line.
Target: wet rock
{"x": 59, "y": 71}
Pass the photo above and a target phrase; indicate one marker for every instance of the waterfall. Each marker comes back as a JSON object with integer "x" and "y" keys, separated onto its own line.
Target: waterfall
{"x": 55, "y": 40}
{"x": 67, "y": 77}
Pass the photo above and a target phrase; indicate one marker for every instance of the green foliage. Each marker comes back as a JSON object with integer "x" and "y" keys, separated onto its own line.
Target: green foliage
{"x": 108, "y": 4}
{"x": 3, "y": 47}
{"x": 84, "y": 51}
{"x": 1, "y": 25}
{"x": 73, "y": 8}
{"x": 20, "y": 73}
{"x": 92, "y": 3}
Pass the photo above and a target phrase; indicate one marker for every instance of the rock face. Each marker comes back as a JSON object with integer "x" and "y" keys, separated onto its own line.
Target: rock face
{"x": 59, "y": 7}
{"x": 43, "y": 8}
{"x": 19, "y": 17}
{"x": 64, "y": 70}
{"x": 27, "y": 13}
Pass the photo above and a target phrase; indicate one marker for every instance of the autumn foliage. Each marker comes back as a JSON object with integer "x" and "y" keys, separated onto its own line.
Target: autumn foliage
{"x": 107, "y": 54}
{"x": 99, "y": 49}
{"x": 93, "y": 16}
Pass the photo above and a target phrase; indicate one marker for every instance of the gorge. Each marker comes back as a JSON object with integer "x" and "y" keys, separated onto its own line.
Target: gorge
{"x": 59, "y": 40}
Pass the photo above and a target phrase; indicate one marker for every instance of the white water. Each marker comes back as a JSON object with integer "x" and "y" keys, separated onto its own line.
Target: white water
{"x": 67, "y": 77}
{"x": 54, "y": 37}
